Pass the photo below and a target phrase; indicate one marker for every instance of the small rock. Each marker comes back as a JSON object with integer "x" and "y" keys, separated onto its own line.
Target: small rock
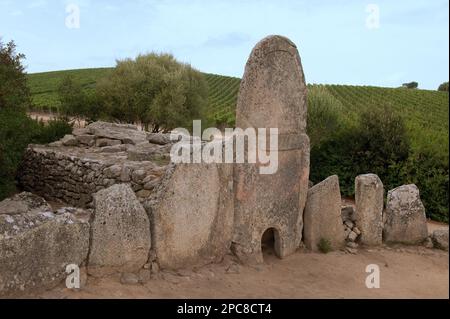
{"x": 352, "y": 251}
{"x": 349, "y": 223}
{"x": 154, "y": 268}
{"x": 440, "y": 238}
{"x": 356, "y": 230}
{"x": 69, "y": 140}
{"x": 129, "y": 279}
{"x": 352, "y": 236}
{"x": 353, "y": 245}
{"x": 144, "y": 276}
{"x": 428, "y": 243}
{"x": 233, "y": 269}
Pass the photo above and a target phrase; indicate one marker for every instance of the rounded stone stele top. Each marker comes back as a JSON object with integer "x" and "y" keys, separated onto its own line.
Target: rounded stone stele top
{"x": 273, "y": 92}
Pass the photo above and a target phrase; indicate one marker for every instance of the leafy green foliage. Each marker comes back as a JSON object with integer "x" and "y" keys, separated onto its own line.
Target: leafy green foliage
{"x": 411, "y": 85}
{"x": 443, "y": 87}
{"x": 17, "y": 130}
{"x": 14, "y": 92}
{"x": 155, "y": 90}
{"x": 324, "y": 246}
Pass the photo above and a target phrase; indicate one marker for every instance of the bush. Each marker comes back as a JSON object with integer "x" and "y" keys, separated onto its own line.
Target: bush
{"x": 411, "y": 85}
{"x": 443, "y": 87}
{"x": 14, "y": 92}
{"x": 17, "y": 130}
{"x": 154, "y": 90}
{"x": 378, "y": 144}
{"x": 325, "y": 115}
{"x": 76, "y": 102}
{"x": 324, "y": 246}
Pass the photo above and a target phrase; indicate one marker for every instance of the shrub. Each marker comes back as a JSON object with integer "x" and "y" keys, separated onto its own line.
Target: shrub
{"x": 411, "y": 85}
{"x": 14, "y": 92}
{"x": 443, "y": 87}
{"x": 325, "y": 115}
{"x": 17, "y": 130}
{"x": 154, "y": 90}
{"x": 378, "y": 144}
{"x": 324, "y": 246}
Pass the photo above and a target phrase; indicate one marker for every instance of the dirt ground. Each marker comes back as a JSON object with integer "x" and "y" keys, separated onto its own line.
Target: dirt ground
{"x": 405, "y": 272}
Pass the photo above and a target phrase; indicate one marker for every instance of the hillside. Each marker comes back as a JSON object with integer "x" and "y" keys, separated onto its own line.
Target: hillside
{"x": 426, "y": 112}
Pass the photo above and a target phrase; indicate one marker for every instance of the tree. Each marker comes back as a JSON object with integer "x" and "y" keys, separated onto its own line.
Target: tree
{"x": 443, "y": 87}
{"x": 14, "y": 92}
{"x": 154, "y": 90}
{"x": 411, "y": 85}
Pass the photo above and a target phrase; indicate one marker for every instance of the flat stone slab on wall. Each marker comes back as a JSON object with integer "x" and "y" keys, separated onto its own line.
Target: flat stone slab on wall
{"x": 120, "y": 232}
{"x": 405, "y": 220}
{"x": 37, "y": 244}
{"x": 369, "y": 198}
{"x": 322, "y": 217}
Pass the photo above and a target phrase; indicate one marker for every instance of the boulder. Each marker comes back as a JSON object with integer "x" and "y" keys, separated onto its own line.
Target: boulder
{"x": 36, "y": 245}
{"x": 369, "y": 198}
{"x": 120, "y": 234}
{"x": 440, "y": 238}
{"x": 405, "y": 219}
{"x": 322, "y": 217}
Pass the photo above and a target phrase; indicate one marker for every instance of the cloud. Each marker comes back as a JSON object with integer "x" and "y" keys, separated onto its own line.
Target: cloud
{"x": 16, "y": 13}
{"x": 232, "y": 39}
{"x": 37, "y": 4}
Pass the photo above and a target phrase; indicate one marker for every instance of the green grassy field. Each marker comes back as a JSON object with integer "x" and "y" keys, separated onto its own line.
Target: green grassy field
{"x": 425, "y": 112}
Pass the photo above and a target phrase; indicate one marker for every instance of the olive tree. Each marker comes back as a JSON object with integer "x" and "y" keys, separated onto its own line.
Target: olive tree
{"x": 154, "y": 90}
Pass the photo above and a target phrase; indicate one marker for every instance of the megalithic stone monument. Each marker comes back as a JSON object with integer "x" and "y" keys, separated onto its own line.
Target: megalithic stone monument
{"x": 273, "y": 94}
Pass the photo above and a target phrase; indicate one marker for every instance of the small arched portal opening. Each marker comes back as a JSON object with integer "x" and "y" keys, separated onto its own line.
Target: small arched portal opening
{"x": 270, "y": 244}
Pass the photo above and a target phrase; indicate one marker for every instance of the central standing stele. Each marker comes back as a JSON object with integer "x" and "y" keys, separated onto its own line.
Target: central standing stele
{"x": 273, "y": 94}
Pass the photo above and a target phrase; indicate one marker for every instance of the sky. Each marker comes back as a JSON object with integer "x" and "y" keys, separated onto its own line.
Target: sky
{"x": 381, "y": 43}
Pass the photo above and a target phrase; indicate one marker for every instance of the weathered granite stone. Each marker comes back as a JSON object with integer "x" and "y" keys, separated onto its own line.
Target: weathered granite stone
{"x": 322, "y": 217}
{"x": 272, "y": 95}
{"x": 369, "y": 197}
{"x": 440, "y": 238}
{"x": 36, "y": 245}
{"x": 159, "y": 138}
{"x": 69, "y": 140}
{"x": 102, "y": 142}
{"x": 24, "y": 203}
{"x": 405, "y": 219}
{"x": 126, "y": 133}
{"x": 120, "y": 233}
{"x": 88, "y": 140}
{"x": 197, "y": 227}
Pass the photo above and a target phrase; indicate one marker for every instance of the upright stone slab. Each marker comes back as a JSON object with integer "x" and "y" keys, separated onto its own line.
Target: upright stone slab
{"x": 405, "y": 219}
{"x": 323, "y": 215}
{"x": 272, "y": 95}
{"x": 369, "y": 197}
{"x": 192, "y": 216}
{"x": 120, "y": 232}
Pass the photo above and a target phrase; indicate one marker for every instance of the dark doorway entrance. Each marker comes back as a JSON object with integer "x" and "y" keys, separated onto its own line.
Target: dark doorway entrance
{"x": 269, "y": 244}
